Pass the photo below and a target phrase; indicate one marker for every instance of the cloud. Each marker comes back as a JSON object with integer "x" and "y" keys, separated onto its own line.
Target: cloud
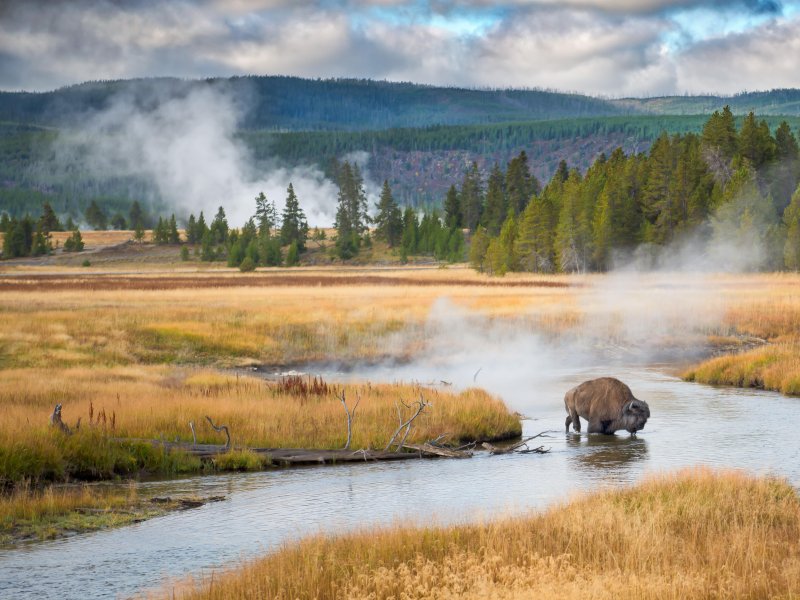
{"x": 609, "y": 47}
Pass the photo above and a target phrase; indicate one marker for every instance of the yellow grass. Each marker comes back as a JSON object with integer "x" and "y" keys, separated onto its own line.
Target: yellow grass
{"x": 159, "y": 403}
{"x": 29, "y": 513}
{"x": 697, "y": 534}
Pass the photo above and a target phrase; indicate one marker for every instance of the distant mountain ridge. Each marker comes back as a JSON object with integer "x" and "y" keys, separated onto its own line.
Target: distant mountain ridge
{"x": 295, "y": 104}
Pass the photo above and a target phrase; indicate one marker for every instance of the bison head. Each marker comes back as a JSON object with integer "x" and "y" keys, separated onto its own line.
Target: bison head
{"x": 634, "y": 415}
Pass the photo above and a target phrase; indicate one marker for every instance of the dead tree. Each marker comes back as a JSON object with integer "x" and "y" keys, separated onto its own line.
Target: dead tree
{"x": 194, "y": 435}
{"x": 421, "y": 405}
{"x": 351, "y": 414}
{"x": 221, "y": 428}
{"x": 55, "y": 420}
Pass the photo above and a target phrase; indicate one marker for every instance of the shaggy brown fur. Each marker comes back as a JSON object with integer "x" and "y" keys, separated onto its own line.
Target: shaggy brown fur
{"x": 607, "y": 404}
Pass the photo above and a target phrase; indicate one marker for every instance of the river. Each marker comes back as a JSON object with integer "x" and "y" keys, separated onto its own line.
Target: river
{"x": 690, "y": 425}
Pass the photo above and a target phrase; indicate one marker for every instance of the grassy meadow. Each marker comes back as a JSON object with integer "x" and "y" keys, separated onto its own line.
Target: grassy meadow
{"x": 695, "y": 534}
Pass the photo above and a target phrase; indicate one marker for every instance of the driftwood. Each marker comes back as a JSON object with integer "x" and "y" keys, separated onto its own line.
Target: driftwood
{"x": 421, "y": 405}
{"x": 55, "y": 420}
{"x": 351, "y": 414}
{"x": 221, "y": 428}
{"x": 514, "y": 447}
{"x": 428, "y": 448}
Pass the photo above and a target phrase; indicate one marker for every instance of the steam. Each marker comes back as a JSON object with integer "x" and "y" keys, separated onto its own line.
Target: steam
{"x": 187, "y": 147}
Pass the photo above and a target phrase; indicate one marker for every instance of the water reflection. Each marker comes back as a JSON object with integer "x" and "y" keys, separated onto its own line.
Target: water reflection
{"x": 593, "y": 452}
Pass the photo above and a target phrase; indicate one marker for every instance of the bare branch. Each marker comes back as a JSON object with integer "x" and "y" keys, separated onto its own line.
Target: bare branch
{"x": 221, "y": 428}
{"x": 194, "y": 435}
{"x": 421, "y": 405}
{"x": 475, "y": 377}
{"x": 350, "y": 416}
{"x": 508, "y": 449}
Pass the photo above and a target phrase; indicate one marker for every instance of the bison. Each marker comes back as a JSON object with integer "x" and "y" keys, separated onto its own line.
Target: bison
{"x": 607, "y": 404}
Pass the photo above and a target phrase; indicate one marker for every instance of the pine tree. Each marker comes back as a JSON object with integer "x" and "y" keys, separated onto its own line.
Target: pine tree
{"x": 161, "y": 232}
{"x": 74, "y": 243}
{"x": 191, "y": 230}
{"x": 471, "y": 196}
{"x": 755, "y": 142}
{"x": 496, "y": 204}
{"x": 479, "y": 245}
{"x": 568, "y": 253}
{"x": 173, "y": 237}
{"x": 266, "y": 215}
{"x": 293, "y": 255}
{"x": 49, "y": 222}
{"x": 294, "y": 228}
{"x": 791, "y": 219}
{"x": 389, "y": 220}
{"x": 351, "y": 211}
{"x": 95, "y": 216}
{"x": 118, "y": 222}
{"x": 452, "y": 208}
{"x": 410, "y": 239}
{"x": 533, "y": 248}
{"x": 521, "y": 186}
{"x": 136, "y": 216}
{"x": 219, "y": 227}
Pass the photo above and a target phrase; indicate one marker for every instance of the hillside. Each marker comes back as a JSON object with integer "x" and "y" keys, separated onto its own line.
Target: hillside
{"x": 774, "y": 102}
{"x": 291, "y": 103}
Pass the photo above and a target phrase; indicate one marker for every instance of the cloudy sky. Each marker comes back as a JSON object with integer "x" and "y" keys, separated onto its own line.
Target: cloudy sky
{"x": 608, "y": 47}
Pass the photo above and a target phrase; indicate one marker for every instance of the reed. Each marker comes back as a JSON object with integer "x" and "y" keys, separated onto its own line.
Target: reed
{"x": 158, "y": 403}
{"x": 695, "y": 534}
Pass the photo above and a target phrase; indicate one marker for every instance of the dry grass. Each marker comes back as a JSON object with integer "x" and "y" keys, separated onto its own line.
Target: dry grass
{"x": 159, "y": 403}
{"x": 697, "y": 534}
{"x": 28, "y": 513}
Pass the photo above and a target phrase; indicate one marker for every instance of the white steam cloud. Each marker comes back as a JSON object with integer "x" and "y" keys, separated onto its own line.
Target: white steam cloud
{"x": 187, "y": 148}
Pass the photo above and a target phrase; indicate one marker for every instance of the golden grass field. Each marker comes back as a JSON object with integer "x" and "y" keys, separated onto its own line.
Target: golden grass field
{"x": 135, "y": 343}
{"x": 695, "y": 534}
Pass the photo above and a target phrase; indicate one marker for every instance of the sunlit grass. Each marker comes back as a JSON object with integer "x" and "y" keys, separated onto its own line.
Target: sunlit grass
{"x": 158, "y": 403}
{"x": 697, "y": 534}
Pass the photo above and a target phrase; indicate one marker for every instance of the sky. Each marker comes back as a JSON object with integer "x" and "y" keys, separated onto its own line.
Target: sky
{"x": 612, "y": 48}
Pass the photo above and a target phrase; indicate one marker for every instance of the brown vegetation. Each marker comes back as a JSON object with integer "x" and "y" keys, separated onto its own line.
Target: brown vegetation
{"x": 693, "y": 535}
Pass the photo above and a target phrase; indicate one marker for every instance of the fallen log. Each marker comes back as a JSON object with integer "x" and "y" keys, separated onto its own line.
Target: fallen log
{"x": 430, "y": 449}
{"x": 514, "y": 447}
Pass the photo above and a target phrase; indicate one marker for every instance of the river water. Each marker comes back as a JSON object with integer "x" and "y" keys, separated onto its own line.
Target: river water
{"x": 690, "y": 425}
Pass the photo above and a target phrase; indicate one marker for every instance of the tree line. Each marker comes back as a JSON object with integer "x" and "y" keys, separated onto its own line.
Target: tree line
{"x": 726, "y": 184}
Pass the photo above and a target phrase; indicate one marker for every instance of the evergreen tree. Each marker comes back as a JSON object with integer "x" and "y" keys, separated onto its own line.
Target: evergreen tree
{"x": 520, "y": 184}
{"x": 95, "y": 216}
{"x": 191, "y": 230}
{"x": 755, "y": 142}
{"x": 568, "y": 253}
{"x": 496, "y": 204}
{"x": 479, "y": 245}
{"x": 294, "y": 228}
{"x": 4, "y": 222}
{"x": 173, "y": 237}
{"x": 533, "y": 248}
{"x": 266, "y": 215}
{"x": 471, "y": 196}
{"x": 136, "y": 216}
{"x": 351, "y": 211}
{"x": 452, "y": 208}
{"x": 791, "y": 219}
{"x": 49, "y": 221}
{"x": 293, "y": 255}
{"x": 219, "y": 227}
{"x": 74, "y": 243}
{"x": 389, "y": 220}
{"x": 118, "y": 222}
{"x": 410, "y": 231}
{"x": 161, "y": 232}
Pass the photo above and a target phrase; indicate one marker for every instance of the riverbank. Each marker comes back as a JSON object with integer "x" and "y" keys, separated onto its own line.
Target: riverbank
{"x": 696, "y": 534}
{"x": 122, "y": 410}
{"x": 28, "y": 515}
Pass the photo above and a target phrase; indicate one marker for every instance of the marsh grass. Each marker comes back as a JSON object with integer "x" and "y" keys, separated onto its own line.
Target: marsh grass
{"x": 696, "y": 534}
{"x": 30, "y": 513}
{"x": 157, "y": 403}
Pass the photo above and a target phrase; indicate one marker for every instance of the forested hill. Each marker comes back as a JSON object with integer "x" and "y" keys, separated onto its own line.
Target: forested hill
{"x": 774, "y": 102}
{"x": 292, "y": 103}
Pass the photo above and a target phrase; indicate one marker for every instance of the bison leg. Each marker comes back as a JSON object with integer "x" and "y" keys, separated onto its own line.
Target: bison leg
{"x": 576, "y": 421}
{"x": 568, "y": 422}
{"x": 596, "y": 427}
